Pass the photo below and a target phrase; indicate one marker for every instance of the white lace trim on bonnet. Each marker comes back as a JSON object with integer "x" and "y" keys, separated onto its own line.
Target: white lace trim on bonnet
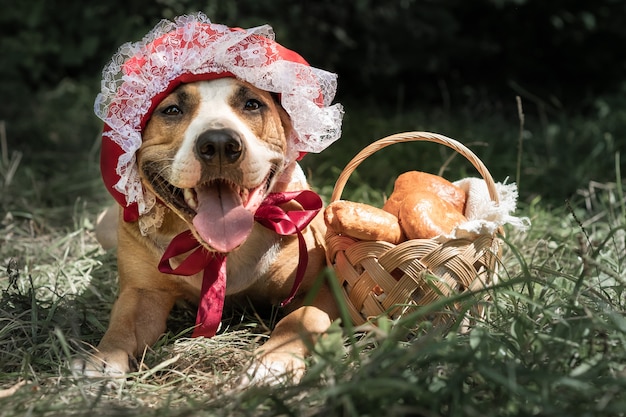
{"x": 126, "y": 95}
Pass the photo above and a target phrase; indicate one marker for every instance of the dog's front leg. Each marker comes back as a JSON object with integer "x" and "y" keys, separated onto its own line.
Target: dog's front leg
{"x": 281, "y": 358}
{"x": 139, "y": 314}
{"x": 138, "y": 319}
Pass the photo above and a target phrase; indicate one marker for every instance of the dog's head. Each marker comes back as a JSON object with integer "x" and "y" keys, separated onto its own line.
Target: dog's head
{"x": 211, "y": 152}
{"x": 180, "y": 146}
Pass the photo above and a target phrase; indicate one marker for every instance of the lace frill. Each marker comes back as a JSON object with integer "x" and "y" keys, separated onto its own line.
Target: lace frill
{"x": 192, "y": 45}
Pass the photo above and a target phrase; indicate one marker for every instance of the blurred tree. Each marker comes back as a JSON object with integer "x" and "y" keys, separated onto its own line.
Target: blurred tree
{"x": 51, "y": 62}
{"x": 399, "y": 53}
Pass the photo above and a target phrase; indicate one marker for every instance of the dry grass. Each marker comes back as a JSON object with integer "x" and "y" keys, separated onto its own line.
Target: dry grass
{"x": 551, "y": 343}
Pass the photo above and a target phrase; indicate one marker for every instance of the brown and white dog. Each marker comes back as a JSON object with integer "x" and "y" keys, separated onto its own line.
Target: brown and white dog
{"x": 210, "y": 150}
{"x": 203, "y": 127}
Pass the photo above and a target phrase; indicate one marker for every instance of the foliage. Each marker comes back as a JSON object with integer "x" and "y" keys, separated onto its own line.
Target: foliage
{"x": 560, "y": 152}
{"x": 551, "y": 343}
{"x": 406, "y": 54}
{"x": 407, "y": 43}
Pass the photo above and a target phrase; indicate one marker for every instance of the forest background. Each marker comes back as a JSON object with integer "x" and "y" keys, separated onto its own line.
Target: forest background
{"x": 536, "y": 88}
{"x": 428, "y": 64}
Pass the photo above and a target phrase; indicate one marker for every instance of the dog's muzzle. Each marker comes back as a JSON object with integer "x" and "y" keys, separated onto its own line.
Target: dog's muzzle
{"x": 219, "y": 147}
{"x": 222, "y": 204}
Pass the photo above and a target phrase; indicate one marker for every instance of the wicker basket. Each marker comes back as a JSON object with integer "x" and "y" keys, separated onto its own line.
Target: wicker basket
{"x": 379, "y": 278}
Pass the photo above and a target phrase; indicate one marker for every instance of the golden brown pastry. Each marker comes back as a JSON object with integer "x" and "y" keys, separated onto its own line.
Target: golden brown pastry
{"x": 392, "y": 205}
{"x": 413, "y": 181}
{"x": 424, "y": 215}
{"x": 363, "y": 222}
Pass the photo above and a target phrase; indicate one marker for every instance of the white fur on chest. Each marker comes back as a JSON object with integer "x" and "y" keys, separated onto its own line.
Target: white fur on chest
{"x": 253, "y": 260}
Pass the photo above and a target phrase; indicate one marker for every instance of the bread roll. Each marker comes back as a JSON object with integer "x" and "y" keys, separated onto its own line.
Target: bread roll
{"x": 413, "y": 181}
{"x": 362, "y": 222}
{"x": 424, "y": 215}
{"x": 393, "y": 203}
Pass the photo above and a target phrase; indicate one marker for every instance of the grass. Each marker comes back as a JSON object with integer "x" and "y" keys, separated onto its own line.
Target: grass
{"x": 552, "y": 343}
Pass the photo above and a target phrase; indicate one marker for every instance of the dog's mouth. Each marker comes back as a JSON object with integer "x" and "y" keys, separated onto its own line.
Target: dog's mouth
{"x": 222, "y": 212}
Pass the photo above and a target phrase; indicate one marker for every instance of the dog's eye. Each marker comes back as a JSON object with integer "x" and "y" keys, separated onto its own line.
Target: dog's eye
{"x": 172, "y": 110}
{"x": 252, "y": 104}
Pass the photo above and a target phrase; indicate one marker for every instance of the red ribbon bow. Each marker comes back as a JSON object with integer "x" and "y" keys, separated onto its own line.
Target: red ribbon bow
{"x": 213, "y": 291}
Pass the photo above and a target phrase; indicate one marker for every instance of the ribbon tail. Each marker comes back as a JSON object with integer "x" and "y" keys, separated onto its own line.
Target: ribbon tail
{"x": 303, "y": 261}
{"x": 292, "y": 222}
{"x": 209, "y": 315}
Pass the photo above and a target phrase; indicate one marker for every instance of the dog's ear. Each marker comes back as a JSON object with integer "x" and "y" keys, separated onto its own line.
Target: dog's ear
{"x": 276, "y": 98}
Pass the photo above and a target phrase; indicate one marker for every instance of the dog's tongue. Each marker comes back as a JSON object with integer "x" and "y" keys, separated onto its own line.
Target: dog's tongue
{"x": 221, "y": 219}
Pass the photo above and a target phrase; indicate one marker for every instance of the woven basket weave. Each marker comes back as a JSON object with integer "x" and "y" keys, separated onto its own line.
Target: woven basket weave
{"x": 379, "y": 278}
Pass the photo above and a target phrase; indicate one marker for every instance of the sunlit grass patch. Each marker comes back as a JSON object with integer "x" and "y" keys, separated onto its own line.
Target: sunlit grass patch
{"x": 550, "y": 343}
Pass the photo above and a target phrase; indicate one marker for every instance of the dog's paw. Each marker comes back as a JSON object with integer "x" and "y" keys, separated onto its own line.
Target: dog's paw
{"x": 114, "y": 365}
{"x": 271, "y": 371}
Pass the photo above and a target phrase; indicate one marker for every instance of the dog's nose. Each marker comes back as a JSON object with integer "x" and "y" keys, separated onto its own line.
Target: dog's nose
{"x": 219, "y": 146}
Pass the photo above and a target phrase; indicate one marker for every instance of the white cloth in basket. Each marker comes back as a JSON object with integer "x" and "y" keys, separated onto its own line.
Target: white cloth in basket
{"x": 483, "y": 214}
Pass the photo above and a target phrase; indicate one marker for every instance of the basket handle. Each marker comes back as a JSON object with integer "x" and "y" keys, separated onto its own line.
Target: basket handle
{"x": 414, "y": 137}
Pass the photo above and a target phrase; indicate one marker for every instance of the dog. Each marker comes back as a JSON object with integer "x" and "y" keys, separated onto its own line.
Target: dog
{"x": 204, "y": 125}
{"x": 212, "y": 151}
